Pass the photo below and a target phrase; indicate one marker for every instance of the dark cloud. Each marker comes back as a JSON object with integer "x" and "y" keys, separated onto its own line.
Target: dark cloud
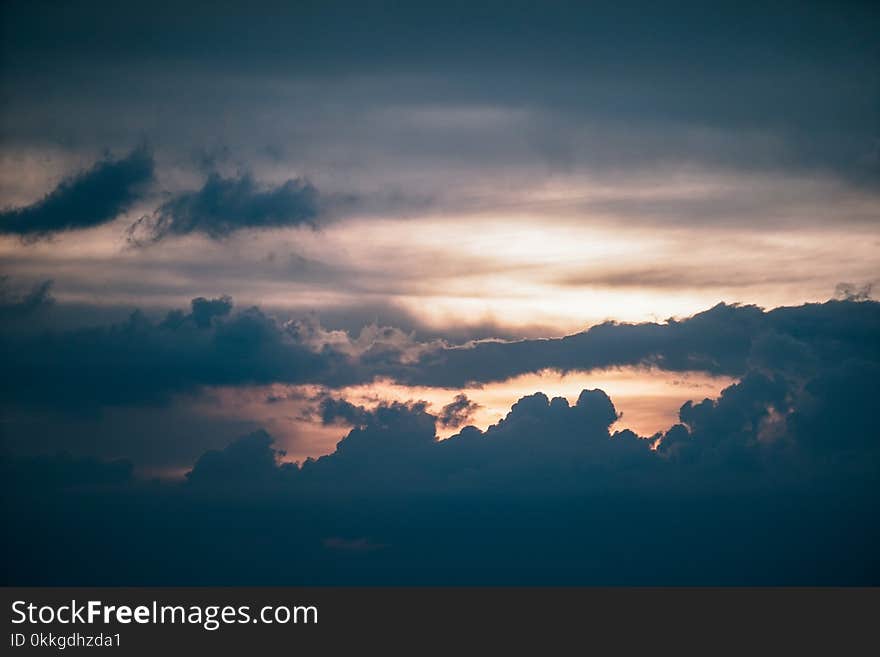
{"x": 390, "y": 426}
{"x": 225, "y": 205}
{"x": 204, "y": 310}
{"x": 544, "y": 447}
{"x": 726, "y": 433}
{"x": 787, "y": 456}
{"x": 837, "y": 414}
{"x": 457, "y": 412}
{"x": 766, "y": 427}
{"x": 250, "y": 461}
{"x": 394, "y": 447}
{"x": 726, "y": 339}
{"x": 87, "y": 199}
{"x": 143, "y": 360}
{"x": 334, "y": 410}
{"x": 731, "y": 495}
{"x": 202, "y": 315}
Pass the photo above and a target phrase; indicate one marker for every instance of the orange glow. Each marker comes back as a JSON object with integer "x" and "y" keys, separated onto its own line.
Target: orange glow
{"x": 647, "y": 398}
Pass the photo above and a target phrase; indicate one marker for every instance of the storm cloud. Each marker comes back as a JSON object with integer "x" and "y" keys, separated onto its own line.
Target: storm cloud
{"x": 226, "y": 205}
{"x": 250, "y": 460}
{"x": 725, "y": 339}
{"x": 549, "y": 494}
{"x": 84, "y": 200}
{"x": 144, "y": 359}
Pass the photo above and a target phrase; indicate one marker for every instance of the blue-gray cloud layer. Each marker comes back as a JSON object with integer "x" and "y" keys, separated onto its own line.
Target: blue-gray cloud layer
{"x": 788, "y": 86}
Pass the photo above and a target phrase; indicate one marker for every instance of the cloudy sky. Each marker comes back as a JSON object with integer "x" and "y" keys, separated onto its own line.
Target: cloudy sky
{"x": 267, "y": 241}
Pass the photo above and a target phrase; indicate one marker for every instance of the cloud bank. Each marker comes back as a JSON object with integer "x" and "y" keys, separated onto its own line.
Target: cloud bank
{"x": 769, "y": 483}
{"x": 144, "y": 359}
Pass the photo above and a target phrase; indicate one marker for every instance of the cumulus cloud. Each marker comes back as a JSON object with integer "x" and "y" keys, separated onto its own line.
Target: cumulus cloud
{"x": 727, "y": 432}
{"x": 393, "y": 426}
{"x": 247, "y": 462}
{"x": 766, "y": 427}
{"x": 778, "y": 423}
{"x": 226, "y": 205}
{"x": 84, "y": 200}
{"x": 549, "y": 494}
{"x": 334, "y": 410}
{"x": 388, "y": 446}
{"x": 204, "y": 310}
{"x": 142, "y": 360}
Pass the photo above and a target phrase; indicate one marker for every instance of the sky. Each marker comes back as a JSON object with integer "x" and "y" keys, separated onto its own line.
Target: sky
{"x": 604, "y": 266}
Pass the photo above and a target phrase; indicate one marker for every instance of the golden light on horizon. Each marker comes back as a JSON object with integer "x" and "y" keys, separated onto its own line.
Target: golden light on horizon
{"x": 647, "y": 399}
